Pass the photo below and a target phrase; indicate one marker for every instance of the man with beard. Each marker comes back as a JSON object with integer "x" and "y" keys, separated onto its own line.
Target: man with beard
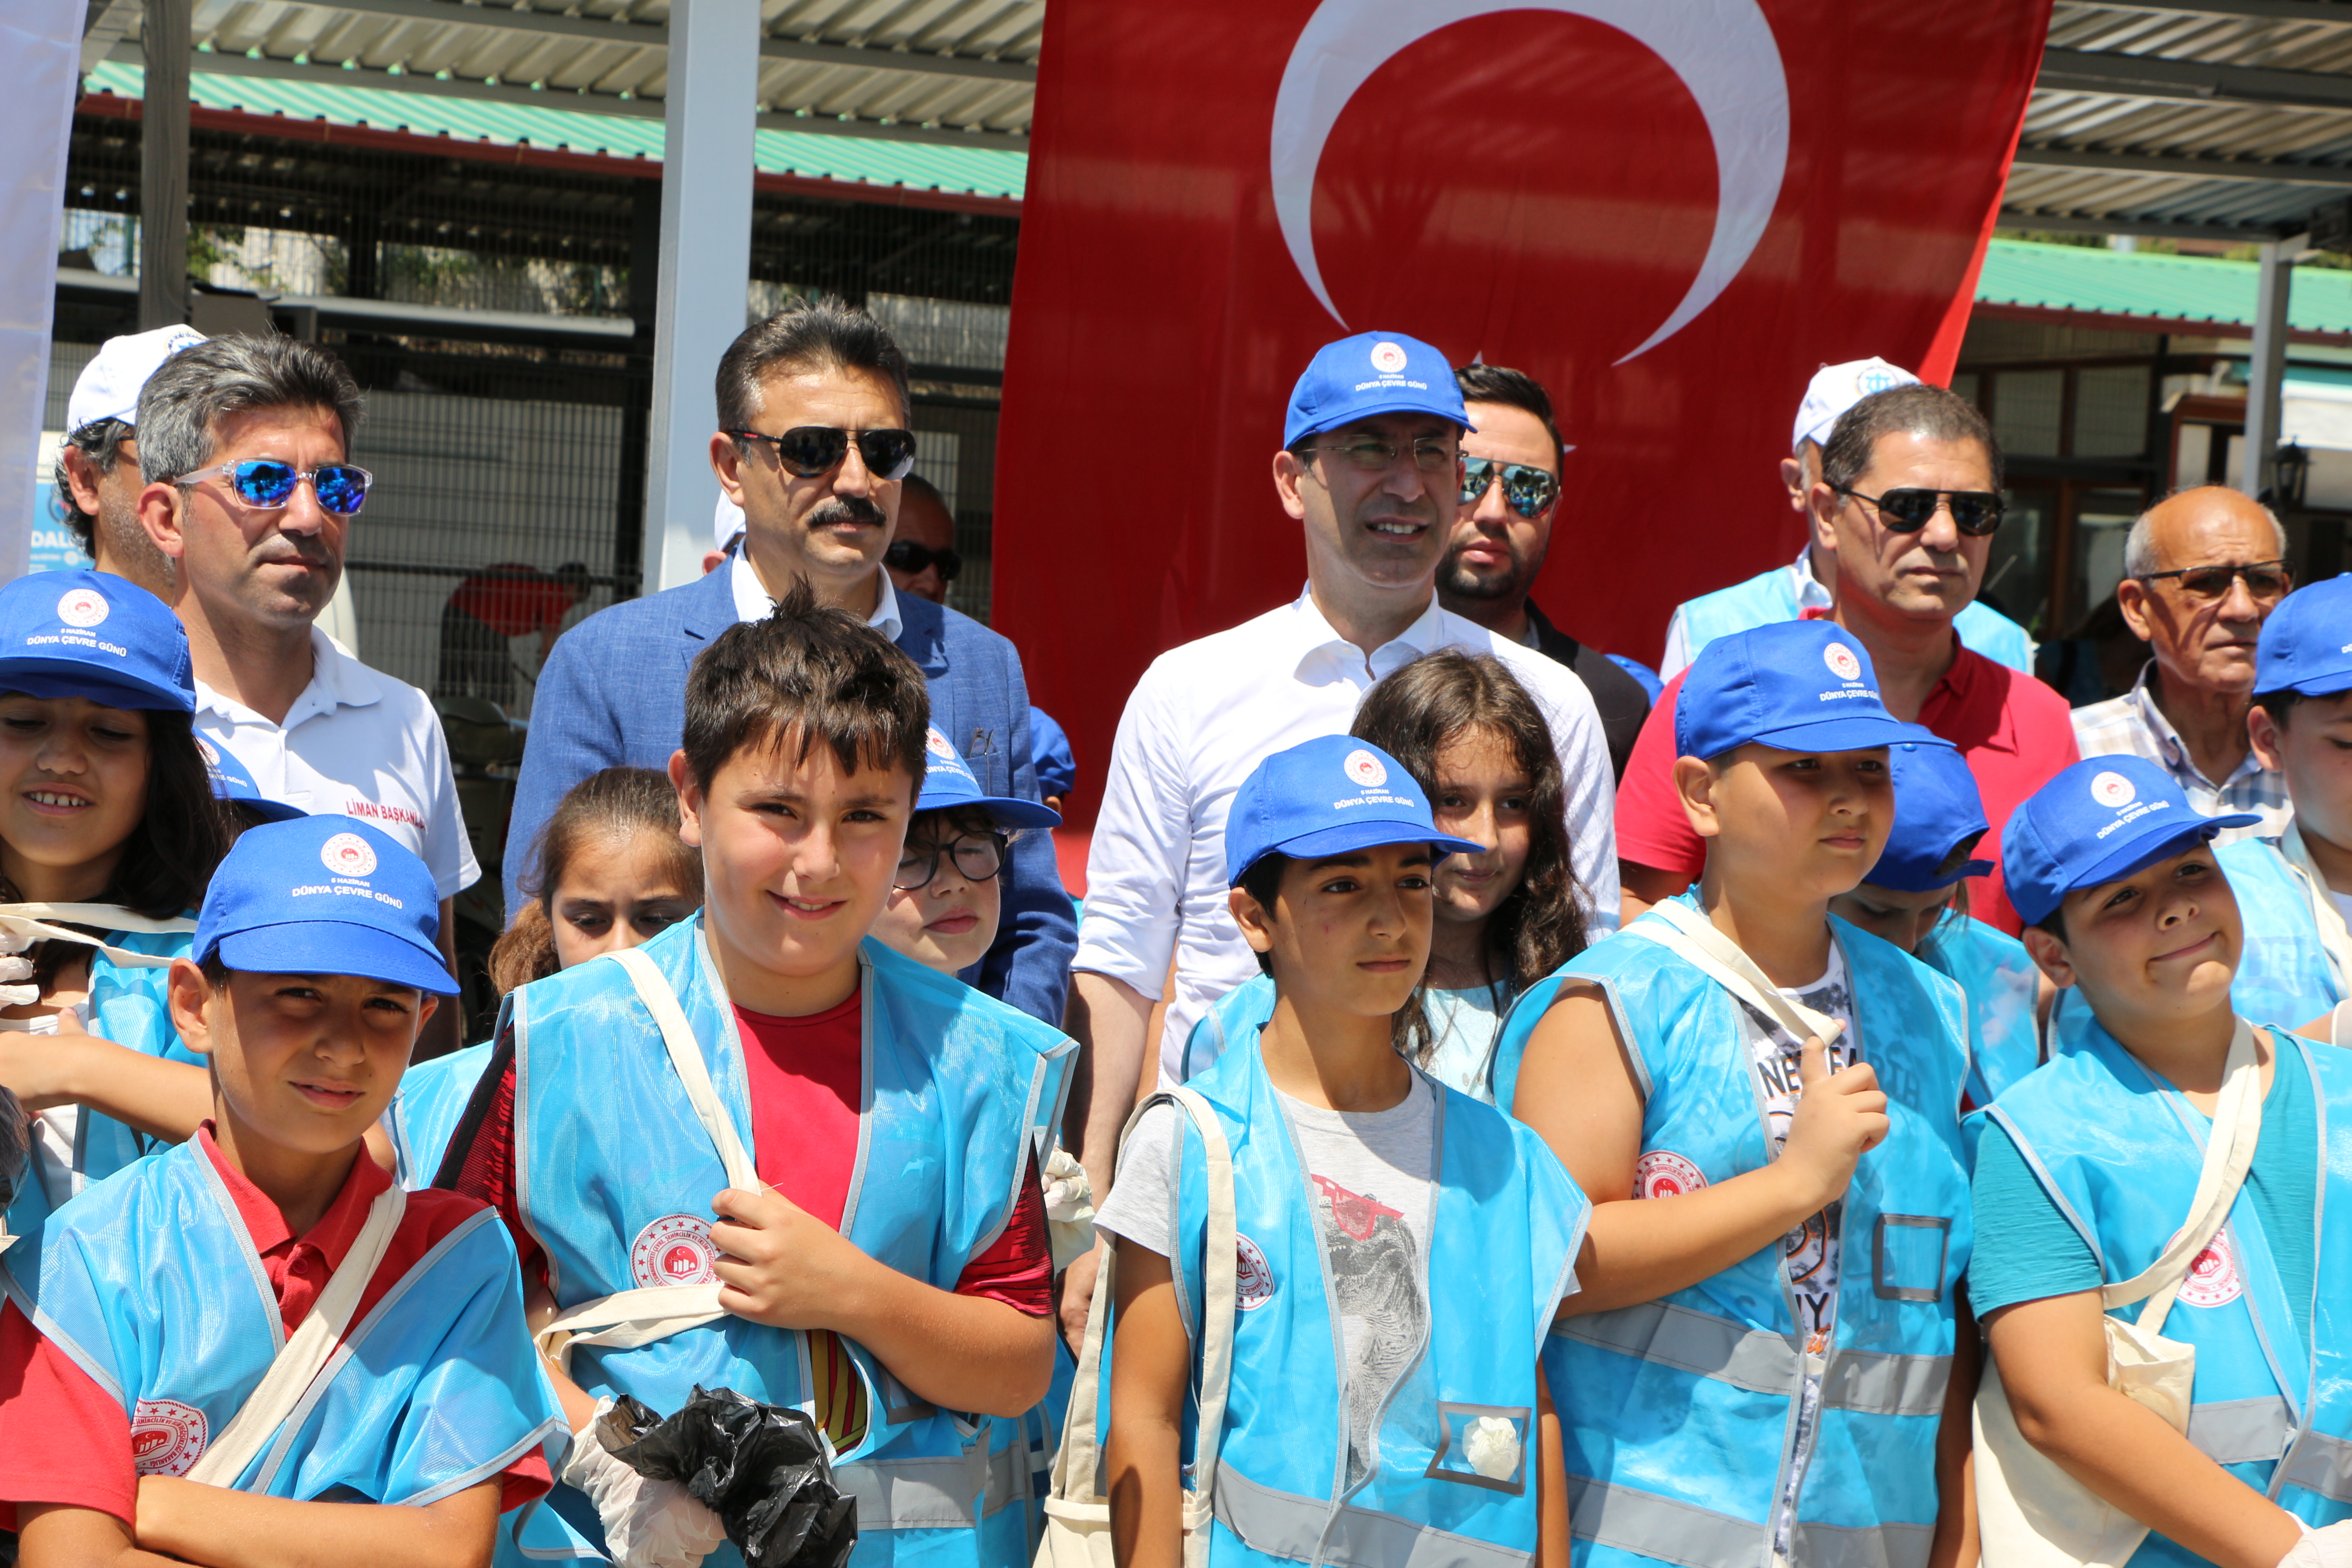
{"x": 1510, "y": 493}
{"x": 813, "y": 444}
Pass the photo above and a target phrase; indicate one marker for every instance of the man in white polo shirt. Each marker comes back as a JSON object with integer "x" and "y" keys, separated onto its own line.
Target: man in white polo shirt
{"x": 1371, "y": 466}
{"x": 243, "y": 442}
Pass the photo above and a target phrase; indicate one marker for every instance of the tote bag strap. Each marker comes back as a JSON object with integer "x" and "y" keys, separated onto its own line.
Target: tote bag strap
{"x": 654, "y": 990}
{"x": 40, "y": 922}
{"x": 2229, "y": 1154}
{"x": 306, "y": 1351}
{"x": 2334, "y": 937}
{"x": 1693, "y": 938}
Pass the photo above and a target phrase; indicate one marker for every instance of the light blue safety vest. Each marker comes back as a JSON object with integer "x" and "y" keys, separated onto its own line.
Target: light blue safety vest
{"x": 1771, "y": 597}
{"x": 1504, "y": 1225}
{"x": 1678, "y": 1412}
{"x": 617, "y": 1174}
{"x": 2120, "y": 1151}
{"x": 425, "y": 1113}
{"x": 128, "y": 1006}
{"x": 1238, "y": 1015}
{"x": 1999, "y": 979}
{"x": 150, "y": 1284}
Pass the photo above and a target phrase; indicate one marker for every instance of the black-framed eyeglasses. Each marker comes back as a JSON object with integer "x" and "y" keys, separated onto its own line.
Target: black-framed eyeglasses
{"x": 807, "y": 450}
{"x": 1529, "y": 491}
{"x": 906, "y": 555}
{"x": 264, "y": 482}
{"x": 1372, "y": 454}
{"x": 1974, "y": 512}
{"x": 2266, "y": 580}
{"x": 978, "y": 858}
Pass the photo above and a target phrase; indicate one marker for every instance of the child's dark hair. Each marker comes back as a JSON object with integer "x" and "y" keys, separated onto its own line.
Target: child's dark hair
{"x": 812, "y": 673}
{"x": 1413, "y": 715}
{"x": 1409, "y": 1031}
{"x": 2278, "y": 704}
{"x": 618, "y": 803}
{"x": 169, "y": 858}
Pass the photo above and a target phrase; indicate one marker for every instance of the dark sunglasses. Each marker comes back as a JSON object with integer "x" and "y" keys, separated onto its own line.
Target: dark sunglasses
{"x": 977, "y": 857}
{"x": 341, "y": 488}
{"x": 1974, "y": 512}
{"x": 807, "y": 450}
{"x": 1529, "y": 491}
{"x": 2266, "y": 580}
{"x": 906, "y": 555}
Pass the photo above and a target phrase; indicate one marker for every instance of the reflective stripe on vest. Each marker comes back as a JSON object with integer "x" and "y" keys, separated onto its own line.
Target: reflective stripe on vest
{"x": 2242, "y": 1431}
{"x": 950, "y": 1491}
{"x": 1281, "y": 1524}
{"x": 1652, "y": 1526}
{"x": 1764, "y": 1362}
{"x": 2317, "y": 1463}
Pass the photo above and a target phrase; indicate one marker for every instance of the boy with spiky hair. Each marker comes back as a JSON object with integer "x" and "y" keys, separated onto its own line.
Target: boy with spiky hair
{"x": 765, "y": 1153}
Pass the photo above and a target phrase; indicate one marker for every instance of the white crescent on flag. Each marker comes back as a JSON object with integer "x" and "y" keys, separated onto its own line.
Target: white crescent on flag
{"x": 1723, "y": 50}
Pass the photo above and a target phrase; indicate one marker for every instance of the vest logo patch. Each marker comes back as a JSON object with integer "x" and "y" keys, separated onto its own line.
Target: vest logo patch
{"x": 675, "y": 1249}
{"x": 1662, "y": 1174}
{"x": 1252, "y": 1278}
{"x": 167, "y": 1438}
{"x": 2213, "y": 1279}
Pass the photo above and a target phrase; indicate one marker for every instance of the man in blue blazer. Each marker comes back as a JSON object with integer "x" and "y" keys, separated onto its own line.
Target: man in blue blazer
{"x": 812, "y": 445}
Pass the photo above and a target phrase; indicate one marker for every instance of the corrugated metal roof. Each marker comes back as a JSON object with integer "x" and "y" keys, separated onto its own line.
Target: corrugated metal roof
{"x": 911, "y": 165}
{"x": 2187, "y": 288}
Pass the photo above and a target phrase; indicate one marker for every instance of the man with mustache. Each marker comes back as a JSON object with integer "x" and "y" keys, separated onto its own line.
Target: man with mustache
{"x": 813, "y": 444}
{"x": 250, "y": 495}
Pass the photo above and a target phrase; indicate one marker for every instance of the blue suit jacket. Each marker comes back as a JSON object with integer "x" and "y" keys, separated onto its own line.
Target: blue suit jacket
{"x": 613, "y": 694}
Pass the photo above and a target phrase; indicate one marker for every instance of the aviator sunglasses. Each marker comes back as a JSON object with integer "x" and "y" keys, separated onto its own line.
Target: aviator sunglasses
{"x": 1974, "y": 512}
{"x": 906, "y": 555}
{"x": 341, "y": 488}
{"x": 1529, "y": 491}
{"x": 807, "y": 450}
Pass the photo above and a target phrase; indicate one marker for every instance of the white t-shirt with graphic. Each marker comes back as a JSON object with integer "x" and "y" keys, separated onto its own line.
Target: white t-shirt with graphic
{"x": 1370, "y": 1175}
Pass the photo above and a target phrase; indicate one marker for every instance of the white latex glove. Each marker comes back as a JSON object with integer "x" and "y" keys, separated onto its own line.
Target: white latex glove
{"x": 1069, "y": 1208}
{"x": 16, "y": 970}
{"x": 648, "y": 1523}
{"x": 2328, "y": 1548}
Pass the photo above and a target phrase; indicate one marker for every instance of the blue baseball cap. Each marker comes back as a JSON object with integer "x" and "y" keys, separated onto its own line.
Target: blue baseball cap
{"x": 2306, "y": 643}
{"x": 2101, "y": 819}
{"x": 1801, "y": 686}
{"x": 1050, "y": 754}
{"x": 948, "y": 785}
{"x": 324, "y": 895}
{"x": 1938, "y": 818}
{"x": 232, "y": 782}
{"x": 1371, "y": 372}
{"x": 94, "y": 635}
{"x": 1331, "y": 796}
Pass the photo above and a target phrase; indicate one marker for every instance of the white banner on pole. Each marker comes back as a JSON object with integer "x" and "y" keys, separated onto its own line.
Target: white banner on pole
{"x": 41, "y": 41}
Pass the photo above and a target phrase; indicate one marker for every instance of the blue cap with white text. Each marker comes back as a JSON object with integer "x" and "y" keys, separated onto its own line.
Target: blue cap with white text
{"x": 1332, "y": 795}
{"x": 2306, "y": 643}
{"x": 1801, "y": 686}
{"x": 233, "y": 783}
{"x": 1371, "y": 374}
{"x": 948, "y": 785}
{"x": 2098, "y": 821}
{"x": 94, "y": 635}
{"x": 1938, "y": 818}
{"x": 324, "y": 895}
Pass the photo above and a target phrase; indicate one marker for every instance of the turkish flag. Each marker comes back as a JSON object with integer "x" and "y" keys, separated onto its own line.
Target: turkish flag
{"x": 1670, "y": 212}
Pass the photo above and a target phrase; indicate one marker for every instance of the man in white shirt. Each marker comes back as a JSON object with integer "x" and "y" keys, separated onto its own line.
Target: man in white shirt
{"x": 1371, "y": 466}
{"x": 243, "y": 443}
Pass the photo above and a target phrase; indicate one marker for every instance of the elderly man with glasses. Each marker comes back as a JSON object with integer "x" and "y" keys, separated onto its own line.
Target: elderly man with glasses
{"x": 2202, "y": 571}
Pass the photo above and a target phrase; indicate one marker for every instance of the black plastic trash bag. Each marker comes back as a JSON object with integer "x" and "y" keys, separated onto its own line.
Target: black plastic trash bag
{"x": 761, "y": 1468}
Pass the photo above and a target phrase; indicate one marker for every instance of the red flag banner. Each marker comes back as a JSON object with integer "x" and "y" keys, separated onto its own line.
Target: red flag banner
{"x": 1670, "y": 212}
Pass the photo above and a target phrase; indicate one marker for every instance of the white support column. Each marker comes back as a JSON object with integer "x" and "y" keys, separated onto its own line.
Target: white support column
{"x": 2266, "y": 370}
{"x": 709, "y": 118}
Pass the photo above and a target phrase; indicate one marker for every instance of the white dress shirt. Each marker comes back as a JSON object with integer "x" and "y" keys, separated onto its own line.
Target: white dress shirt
{"x": 357, "y": 742}
{"x": 754, "y": 603}
{"x": 1203, "y": 715}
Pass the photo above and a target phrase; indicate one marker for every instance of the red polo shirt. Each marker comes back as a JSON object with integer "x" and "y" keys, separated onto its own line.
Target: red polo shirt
{"x": 2015, "y": 733}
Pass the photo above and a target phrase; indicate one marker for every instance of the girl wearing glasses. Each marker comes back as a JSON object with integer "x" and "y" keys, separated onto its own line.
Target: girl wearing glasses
{"x": 610, "y": 873}
{"x": 946, "y": 901}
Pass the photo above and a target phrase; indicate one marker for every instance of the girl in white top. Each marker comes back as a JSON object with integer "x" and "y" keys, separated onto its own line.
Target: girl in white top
{"x": 1472, "y": 737}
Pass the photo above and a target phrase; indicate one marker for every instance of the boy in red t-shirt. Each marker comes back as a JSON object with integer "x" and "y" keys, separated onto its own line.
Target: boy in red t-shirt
{"x": 763, "y": 1152}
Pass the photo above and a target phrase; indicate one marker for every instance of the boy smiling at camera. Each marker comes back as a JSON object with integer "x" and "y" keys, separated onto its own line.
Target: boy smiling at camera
{"x": 401, "y": 1412}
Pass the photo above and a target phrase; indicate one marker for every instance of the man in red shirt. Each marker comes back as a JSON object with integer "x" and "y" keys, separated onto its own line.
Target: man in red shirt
{"x": 1907, "y": 503}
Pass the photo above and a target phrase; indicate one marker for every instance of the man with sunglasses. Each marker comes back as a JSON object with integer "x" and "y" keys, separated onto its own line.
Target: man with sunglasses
{"x": 1510, "y": 493}
{"x": 245, "y": 444}
{"x": 814, "y": 448}
{"x": 922, "y": 559}
{"x": 2203, "y": 572}
{"x": 1907, "y": 506}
